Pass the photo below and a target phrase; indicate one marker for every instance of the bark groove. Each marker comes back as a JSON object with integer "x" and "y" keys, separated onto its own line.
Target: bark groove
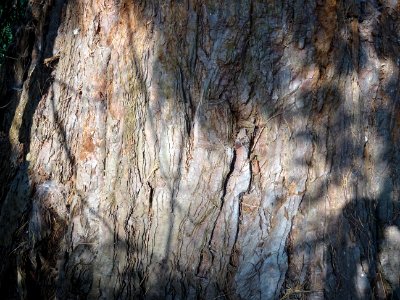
{"x": 197, "y": 149}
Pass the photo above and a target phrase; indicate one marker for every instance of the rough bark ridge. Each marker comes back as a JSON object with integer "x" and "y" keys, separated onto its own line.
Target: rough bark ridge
{"x": 198, "y": 149}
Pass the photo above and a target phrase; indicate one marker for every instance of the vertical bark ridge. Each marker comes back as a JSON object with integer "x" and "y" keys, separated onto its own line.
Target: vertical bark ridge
{"x": 195, "y": 149}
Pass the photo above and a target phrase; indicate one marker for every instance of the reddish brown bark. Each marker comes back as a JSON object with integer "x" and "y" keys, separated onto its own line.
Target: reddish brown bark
{"x": 198, "y": 149}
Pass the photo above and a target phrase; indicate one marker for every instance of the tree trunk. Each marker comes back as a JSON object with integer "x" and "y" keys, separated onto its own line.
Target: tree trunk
{"x": 199, "y": 149}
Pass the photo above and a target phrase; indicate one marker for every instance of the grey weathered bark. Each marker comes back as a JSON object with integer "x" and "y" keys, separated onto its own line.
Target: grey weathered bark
{"x": 202, "y": 149}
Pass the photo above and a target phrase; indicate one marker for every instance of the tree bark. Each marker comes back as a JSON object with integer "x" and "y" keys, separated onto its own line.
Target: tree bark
{"x": 202, "y": 149}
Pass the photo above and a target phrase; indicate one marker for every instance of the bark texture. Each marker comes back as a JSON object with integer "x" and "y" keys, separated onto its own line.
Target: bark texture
{"x": 202, "y": 149}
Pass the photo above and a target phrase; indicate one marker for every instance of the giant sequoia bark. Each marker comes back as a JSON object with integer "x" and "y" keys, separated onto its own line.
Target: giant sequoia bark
{"x": 198, "y": 149}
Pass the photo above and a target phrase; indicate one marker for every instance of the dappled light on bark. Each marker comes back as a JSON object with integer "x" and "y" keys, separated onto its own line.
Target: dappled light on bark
{"x": 197, "y": 149}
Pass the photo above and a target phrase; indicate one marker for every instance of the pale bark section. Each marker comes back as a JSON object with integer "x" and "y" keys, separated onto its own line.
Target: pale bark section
{"x": 187, "y": 149}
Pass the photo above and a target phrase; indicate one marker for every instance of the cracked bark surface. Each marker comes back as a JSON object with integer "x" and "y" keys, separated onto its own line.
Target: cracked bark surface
{"x": 198, "y": 149}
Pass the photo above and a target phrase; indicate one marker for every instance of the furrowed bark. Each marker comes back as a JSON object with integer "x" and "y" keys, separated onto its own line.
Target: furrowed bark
{"x": 197, "y": 149}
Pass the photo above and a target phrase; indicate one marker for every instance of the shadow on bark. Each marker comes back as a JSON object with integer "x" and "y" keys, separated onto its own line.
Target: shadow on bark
{"x": 358, "y": 244}
{"x": 351, "y": 241}
{"x": 28, "y": 83}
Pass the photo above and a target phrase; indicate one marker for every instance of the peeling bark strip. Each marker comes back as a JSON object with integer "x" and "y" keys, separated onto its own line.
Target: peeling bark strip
{"x": 200, "y": 149}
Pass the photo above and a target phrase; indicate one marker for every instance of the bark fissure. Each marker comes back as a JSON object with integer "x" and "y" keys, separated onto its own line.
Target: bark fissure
{"x": 197, "y": 149}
